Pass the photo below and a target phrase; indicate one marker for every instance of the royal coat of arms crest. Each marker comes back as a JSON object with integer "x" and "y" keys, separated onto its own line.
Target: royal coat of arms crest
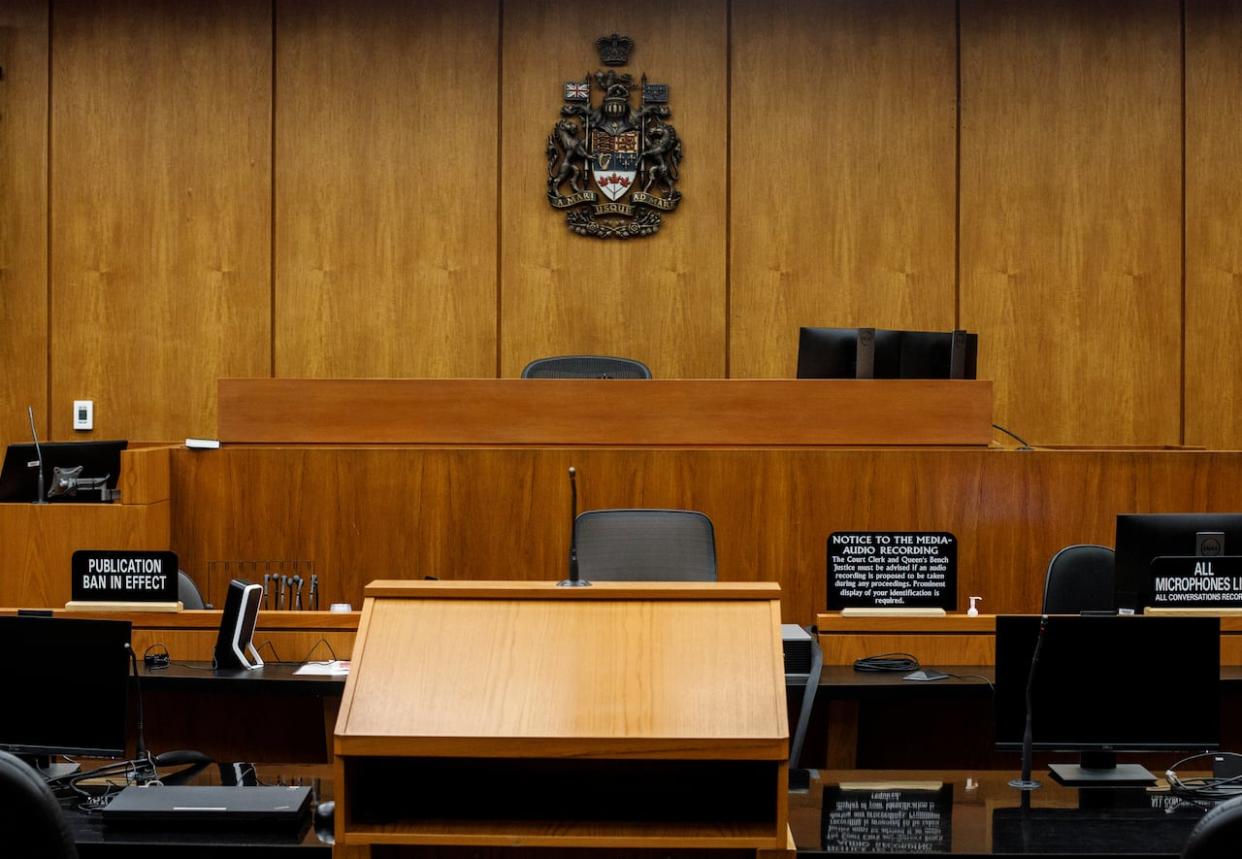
{"x": 630, "y": 153}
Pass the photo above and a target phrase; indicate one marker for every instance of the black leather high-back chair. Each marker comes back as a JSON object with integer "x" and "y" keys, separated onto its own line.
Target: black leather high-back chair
{"x": 646, "y": 546}
{"x": 586, "y": 367}
{"x": 1218, "y": 835}
{"x": 31, "y": 825}
{"x": 1079, "y": 578}
{"x": 188, "y": 593}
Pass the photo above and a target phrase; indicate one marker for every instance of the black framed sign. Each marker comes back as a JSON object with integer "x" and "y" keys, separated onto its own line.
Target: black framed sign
{"x": 129, "y": 575}
{"x": 892, "y": 569}
{"x": 887, "y": 821}
{"x": 1196, "y": 581}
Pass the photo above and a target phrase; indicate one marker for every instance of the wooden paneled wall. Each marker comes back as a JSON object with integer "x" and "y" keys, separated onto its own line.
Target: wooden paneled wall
{"x": 356, "y": 188}
{"x": 364, "y": 513}
{"x": 23, "y": 215}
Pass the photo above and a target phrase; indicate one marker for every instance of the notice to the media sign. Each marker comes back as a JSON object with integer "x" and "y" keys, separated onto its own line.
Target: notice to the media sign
{"x": 892, "y": 569}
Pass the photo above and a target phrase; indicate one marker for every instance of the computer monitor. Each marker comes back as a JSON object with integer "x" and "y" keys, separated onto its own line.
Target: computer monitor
{"x": 19, "y": 480}
{"x": 835, "y": 353}
{"x": 68, "y": 683}
{"x": 1142, "y": 537}
{"x": 929, "y": 355}
{"x": 832, "y": 353}
{"x": 1109, "y": 684}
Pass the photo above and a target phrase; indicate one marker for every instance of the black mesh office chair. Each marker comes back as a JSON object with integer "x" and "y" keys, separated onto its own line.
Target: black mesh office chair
{"x": 188, "y": 593}
{"x": 586, "y": 367}
{"x": 1079, "y": 578}
{"x": 646, "y": 546}
{"x": 31, "y": 825}
{"x": 1218, "y": 835}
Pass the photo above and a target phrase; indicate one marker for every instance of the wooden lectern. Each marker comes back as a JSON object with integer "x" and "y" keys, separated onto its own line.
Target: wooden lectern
{"x": 520, "y": 714}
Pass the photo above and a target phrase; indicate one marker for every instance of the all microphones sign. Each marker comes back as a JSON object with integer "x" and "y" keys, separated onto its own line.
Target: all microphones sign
{"x": 1196, "y": 581}
{"x": 124, "y": 576}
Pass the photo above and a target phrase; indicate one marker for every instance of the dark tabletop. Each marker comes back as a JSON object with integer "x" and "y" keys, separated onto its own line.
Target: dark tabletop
{"x": 272, "y": 678}
{"x": 95, "y": 838}
{"x": 892, "y": 813}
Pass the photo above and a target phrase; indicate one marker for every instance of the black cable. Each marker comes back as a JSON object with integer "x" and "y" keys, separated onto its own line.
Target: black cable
{"x": 156, "y": 661}
{"x": 165, "y": 659}
{"x": 1207, "y": 788}
{"x": 268, "y": 644}
{"x": 1013, "y": 435}
{"x": 276, "y": 660}
{"x": 140, "y": 743}
{"x": 991, "y": 685}
{"x": 887, "y": 662}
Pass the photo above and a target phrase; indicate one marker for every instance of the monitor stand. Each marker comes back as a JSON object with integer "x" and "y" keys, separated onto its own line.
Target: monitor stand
{"x": 42, "y": 764}
{"x": 1100, "y": 769}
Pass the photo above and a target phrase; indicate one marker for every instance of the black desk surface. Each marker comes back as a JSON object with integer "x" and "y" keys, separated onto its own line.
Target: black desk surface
{"x": 94, "y": 838}
{"x": 272, "y": 678}
{"x": 873, "y": 813}
{"x": 891, "y": 813}
{"x": 845, "y": 680}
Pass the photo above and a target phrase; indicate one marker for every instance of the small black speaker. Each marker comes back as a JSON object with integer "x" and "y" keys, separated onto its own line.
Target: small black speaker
{"x": 235, "y": 641}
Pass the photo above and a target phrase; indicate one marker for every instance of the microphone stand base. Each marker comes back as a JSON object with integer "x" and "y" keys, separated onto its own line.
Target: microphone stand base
{"x": 573, "y": 583}
{"x": 1024, "y": 784}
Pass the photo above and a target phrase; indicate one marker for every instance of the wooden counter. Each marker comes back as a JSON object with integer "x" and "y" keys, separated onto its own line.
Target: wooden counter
{"x": 596, "y": 709}
{"x": 952, "y": 640}
{"x": 391, "y": 511}
{"x": 37, "y": 541}
{"x": 753, "y": 412}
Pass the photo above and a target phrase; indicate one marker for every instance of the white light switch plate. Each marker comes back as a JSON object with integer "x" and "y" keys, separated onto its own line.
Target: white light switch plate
{"x": 83, "y": 414}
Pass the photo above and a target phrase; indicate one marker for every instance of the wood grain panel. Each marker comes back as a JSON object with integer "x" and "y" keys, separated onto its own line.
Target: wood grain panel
{"x": 661, "y": 298}
{"x": 385, "y": 247}
{"x": 1070, "y": 215}
{"x": 144, "y": 475}
{"x": 291, "y": 646}
{"x": 631, "y": 676}
{"x": 161, "y": 118}
{"x": 369, "y": 513}
{"x": 843, "y": 120}
{"x": 39, "y": 541}
{"x": 23, "y": 217}
{"x": 1213, "y": 212}
{"x": 664, "y": 411}
{"x": 927, "y": 649}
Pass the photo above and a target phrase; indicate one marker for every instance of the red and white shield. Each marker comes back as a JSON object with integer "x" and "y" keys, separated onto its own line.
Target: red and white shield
{"x": 615, "y": 161}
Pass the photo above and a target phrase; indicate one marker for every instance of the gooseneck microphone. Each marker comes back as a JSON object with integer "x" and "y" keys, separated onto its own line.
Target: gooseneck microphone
{"x": 39, "y": 496}
{"x": 574, "y": 580}
{"x": 1025, "y": 782}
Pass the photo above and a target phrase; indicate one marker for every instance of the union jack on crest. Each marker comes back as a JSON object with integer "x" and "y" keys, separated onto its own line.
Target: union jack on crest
{"x": 577, "y": 91}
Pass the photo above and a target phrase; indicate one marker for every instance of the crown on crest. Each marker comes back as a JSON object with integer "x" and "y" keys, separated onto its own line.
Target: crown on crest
{"x": 614, "y": 50}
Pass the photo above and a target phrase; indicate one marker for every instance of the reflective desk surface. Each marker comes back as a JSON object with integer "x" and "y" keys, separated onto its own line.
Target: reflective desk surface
{"x": 840, "y": 813}
{"x": 893, "y": 813}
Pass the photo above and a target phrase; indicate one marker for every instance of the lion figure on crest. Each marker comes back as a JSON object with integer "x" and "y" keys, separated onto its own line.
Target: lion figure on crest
{"x": 663, "y": 149}
{"x": 565, "y": 136}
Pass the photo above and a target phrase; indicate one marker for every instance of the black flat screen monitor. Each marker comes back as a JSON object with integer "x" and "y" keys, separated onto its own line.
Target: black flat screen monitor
{"x": 1109, "y": 684}
{"x": 1142, "y": 537}
{"x": 68, "y": 684}
{"x": 832, "y": 353}
{"x": 929, "y": 355}
{"x": 19, "y": 481}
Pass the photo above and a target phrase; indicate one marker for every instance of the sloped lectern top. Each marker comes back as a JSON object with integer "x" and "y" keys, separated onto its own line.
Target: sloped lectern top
{"x": 505, "y": 669}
